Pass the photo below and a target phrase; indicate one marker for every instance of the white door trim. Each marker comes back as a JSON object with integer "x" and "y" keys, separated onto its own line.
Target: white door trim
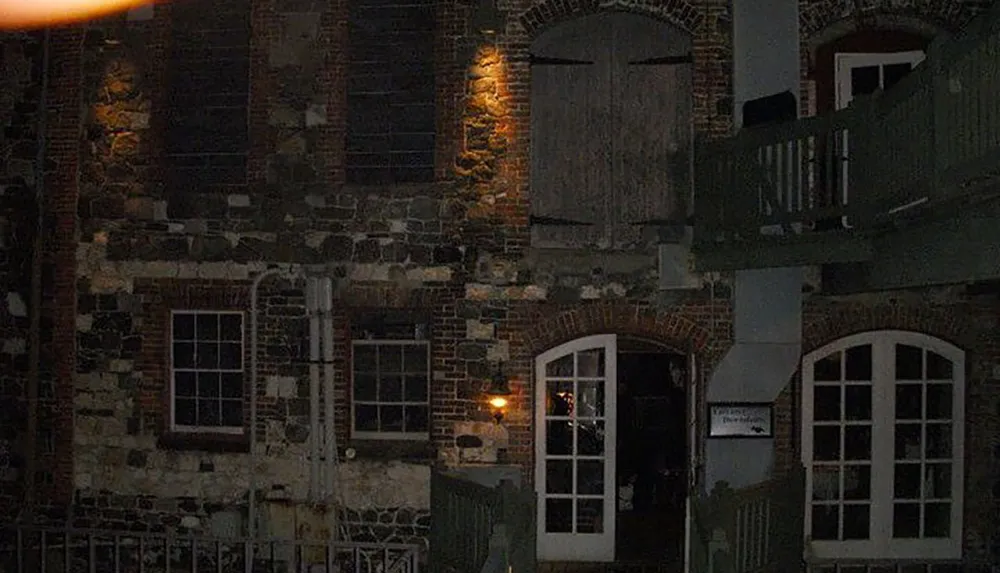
{"x": 578, "y": 546}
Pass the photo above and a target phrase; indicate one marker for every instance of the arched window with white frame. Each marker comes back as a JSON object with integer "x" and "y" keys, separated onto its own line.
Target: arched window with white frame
{"x": 882, "y": 444}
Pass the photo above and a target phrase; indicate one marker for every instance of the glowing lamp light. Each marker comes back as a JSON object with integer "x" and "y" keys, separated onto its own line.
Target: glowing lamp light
{"x": 23, "y": 14}
{"x": 497, "y": 393}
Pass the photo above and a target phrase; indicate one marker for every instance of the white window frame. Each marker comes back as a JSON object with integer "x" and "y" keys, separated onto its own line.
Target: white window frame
{"x": 379, "y": 435}
{"x": 845, "y": 62}
{"x": 881, "y": 545}
{"x": 231, "y": 430}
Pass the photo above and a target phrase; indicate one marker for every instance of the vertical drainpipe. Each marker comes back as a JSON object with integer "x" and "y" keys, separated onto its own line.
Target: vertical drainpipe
{"x": 312, "y": 310}
{"x": 252, "y": 490}
{"x": 330, "y": 437}
{"x": 35, "y": 326}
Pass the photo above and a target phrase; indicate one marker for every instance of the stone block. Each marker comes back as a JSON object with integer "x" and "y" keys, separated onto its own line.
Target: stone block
{"x": 316, "y": 115}
{"x": 238, "y": 200}
{"x": 499, "y": 352}
{"x": 478, "y": 330}
{"x": 16, "y": 305}
{"x": 15, "y": 346}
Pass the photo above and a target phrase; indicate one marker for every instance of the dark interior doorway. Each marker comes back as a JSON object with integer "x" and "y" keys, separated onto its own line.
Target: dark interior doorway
{"x": 652, "y": 458}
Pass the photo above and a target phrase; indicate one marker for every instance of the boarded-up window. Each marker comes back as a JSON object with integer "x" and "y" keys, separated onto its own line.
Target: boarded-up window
{"x": 390, "y": 92}
{"x": 208, "y": 84}
{"x": 610, "y": 130}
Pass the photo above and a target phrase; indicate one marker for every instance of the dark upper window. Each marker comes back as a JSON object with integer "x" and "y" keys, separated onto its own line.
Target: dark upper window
{"x": 206, "y": 371}
{"x": 390, "y": 92}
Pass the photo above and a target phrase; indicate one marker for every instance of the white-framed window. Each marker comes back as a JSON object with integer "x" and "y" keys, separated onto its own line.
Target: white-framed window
{"x": 882, "y": 444}
{"x": 206, "y": 371}
{"x": 863, "y": 73}
{"x": 390, "y": 389}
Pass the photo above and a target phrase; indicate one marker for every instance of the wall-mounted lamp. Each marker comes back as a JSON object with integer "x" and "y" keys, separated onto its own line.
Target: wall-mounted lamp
{"x": 486, "y": 18}
{"x": 498, "y": 393}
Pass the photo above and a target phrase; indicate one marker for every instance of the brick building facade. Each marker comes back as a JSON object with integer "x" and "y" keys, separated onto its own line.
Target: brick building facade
{"x": 152, "y": 209}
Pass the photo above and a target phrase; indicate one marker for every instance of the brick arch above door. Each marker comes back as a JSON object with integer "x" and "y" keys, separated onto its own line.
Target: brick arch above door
{"x": 820, "y": 18}
{"x": 675, "y": 328}
{"x": 548, "y": 13}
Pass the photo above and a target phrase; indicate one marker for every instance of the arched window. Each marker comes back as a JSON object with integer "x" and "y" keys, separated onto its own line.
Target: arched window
{"x": 882, "y": 439}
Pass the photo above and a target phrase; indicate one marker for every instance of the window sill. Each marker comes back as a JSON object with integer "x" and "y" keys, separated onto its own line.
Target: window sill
{"x": 204, "y": 442}
{"x": 392, "y": 450}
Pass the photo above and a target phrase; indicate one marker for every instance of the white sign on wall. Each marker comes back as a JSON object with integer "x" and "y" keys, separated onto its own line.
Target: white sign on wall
{"x": 743, "y": 420}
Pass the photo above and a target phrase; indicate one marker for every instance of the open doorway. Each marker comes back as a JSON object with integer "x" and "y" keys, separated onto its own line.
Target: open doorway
{"x": 652, "y": 455}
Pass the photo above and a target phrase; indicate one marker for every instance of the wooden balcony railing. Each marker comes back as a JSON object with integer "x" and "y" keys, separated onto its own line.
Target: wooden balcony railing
{"x": 933, "y": 139}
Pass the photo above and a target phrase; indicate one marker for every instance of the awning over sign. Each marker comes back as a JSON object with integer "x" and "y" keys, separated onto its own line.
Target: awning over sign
{"x": 754, "y": 372}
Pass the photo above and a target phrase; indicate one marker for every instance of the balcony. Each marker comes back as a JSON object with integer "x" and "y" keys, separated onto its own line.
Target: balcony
{"x": 874, "y": 180}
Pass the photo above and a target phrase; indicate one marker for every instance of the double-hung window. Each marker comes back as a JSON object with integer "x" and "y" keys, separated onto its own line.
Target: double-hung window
{"x": 206, "y": 371}
{"x": 390, "y": 389}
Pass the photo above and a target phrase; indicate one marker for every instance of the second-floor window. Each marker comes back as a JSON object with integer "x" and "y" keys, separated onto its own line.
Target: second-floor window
{"x": 861, "y": 74}
{"x": 206, "y": 371}
{"x": 390, "y": 92}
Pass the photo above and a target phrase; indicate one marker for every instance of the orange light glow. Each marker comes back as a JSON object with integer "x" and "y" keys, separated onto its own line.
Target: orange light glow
{"x": 498, "y": 402}
{"x": 23, "y": 14}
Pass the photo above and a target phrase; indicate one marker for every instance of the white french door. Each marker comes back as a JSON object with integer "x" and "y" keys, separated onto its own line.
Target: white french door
{"x": 575, "y": 406}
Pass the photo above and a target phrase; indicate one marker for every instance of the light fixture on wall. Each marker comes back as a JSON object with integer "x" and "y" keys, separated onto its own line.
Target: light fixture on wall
{"x": 486, "y": 18}
{"x": 498, "y": 393}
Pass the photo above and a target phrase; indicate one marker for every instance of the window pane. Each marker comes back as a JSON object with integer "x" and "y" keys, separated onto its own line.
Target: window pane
{"x": 231, "y": 356}
{"x": 826, "y": 483}
{"x": 909, "y": 402}
{"x": 906, "y": 520}
{"x": 892, "y": 73}
{"x": 589, "y": 516}
{"x": 938, "y": 367}
{"x": 590, "y": 363}
{"x": 183, "y": 355}
{"x": 590, "y": 438}
{"x": 826, "y": 403}
{"x": 857, "y": 482}
{"x": 858, "y": 363}
{"x": 415, "y": 359}
{"x": 590, "y": 398}
{"x": 390, "y": 389}
{"x": 938, "y": 481}
{"x": 857, "y": 443}
{"x": 939, "y": 401}
{"x": 826, "y": 443}
{"x": 559, "y": 399}
{"x": 390, "y": 359}
{"x": 937, "y": 520}
{"x": 908, "y": 441}
{"x": 208, "y": 413}
{"x": 183, "y": 327}
{"x": 365, "y": 387}
{"x": 416, "y": 388}
{"x": 560, "y": 367}
{"x": 938, "y": 441}
{"x": 184, "y": 412}
{"x": 232, "y": 385}
{"x": 590, "y": 477}
{"x": 365, "y": 418}
{"x": 827, "y": 369}
{"x": 231, "y": 327}
{"x": 208, "y": 385}
{"x": 184, "y": 384}
{"x": 207, "y": 355}
{"x": 559, "y": 476}
{"x": 207, "y": 326}
{"x": 416, "y": 419}
{"x": 864, "y": 80}
{"x": 907, "y": 481}
{"x": 364, "y": 358}
{"x": 391, "y": 418}
{"x": 825, "y": 522}
{"x": 559, "y": 438}
{"x": 856, "y": 521}
{"x": 858, "y": 402}
{"x": 232, "y": 413}
{"x": 909, "y": 362}
{"x": 558, "y": 515}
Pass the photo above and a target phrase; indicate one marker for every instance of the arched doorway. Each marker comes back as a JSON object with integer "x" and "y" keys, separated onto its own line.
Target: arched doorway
{"x": 612, "y": 438}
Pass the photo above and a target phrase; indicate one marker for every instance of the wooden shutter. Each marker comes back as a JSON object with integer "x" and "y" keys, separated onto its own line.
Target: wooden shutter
{"x": 570, "y": 129}
{"x": 652, "y": 129}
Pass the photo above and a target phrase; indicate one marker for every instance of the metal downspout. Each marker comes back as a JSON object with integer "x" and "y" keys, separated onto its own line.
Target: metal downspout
{"x": 252, "y": 490}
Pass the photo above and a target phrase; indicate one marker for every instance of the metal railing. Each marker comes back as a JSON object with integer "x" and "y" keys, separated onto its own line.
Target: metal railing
{"x": 31, "y": 549}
